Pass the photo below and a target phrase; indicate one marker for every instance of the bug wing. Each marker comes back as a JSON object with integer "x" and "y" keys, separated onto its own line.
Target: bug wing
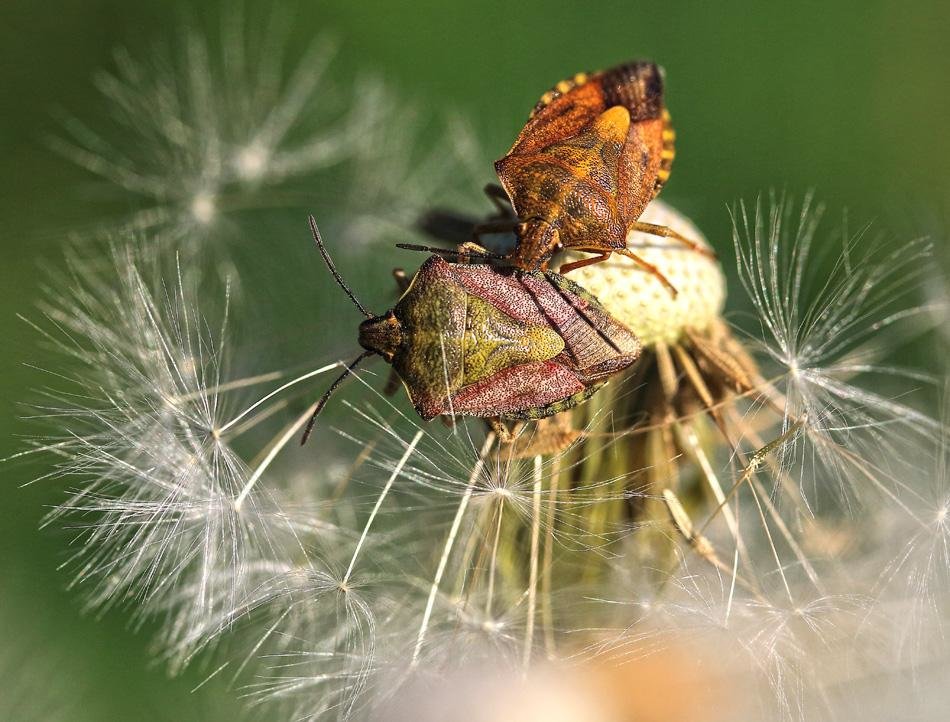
{"x": 571, "y": 105}
{"x": 643, "y": 167}
{"x": 596, "y": 344}
{"x": 502, "y": 288}
{"x": 526, "y": 391}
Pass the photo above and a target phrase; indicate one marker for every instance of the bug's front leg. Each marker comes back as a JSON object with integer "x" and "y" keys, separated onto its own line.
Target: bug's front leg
{"x": 650, "y": 268}
{"x": 574, "y": 265}
{"x": 402, "y": 280}
{"x": 666, "y": 232}
{"x": 499, "y": 198}
{"x": 603, "y": 255}
{"x": 501, "y": 431}
{"x": 504, "y": 225}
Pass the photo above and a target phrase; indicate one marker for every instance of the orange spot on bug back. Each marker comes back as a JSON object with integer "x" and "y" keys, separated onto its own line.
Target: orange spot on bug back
{"x": 612, "y": 124}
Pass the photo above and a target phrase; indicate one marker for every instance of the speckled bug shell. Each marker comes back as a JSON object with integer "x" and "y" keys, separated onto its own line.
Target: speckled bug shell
{"x": 595, "y": 151}
{"x": 482, "y": 341}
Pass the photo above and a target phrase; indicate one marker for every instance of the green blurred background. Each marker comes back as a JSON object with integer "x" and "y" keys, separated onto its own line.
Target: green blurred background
{"x": 852, "y": 99}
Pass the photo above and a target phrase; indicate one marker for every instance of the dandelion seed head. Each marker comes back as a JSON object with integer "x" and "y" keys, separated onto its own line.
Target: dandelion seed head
{"x": 639, "y": 299}
{"x": 326, "y": 616}
{"x": 825, "y": 320}
{"x": 252, "y": 161}
{"x": 203, "y": 208}
{"x": 139, "y": 438}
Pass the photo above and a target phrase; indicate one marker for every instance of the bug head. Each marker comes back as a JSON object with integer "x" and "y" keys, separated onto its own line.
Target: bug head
{"x": 537, "y": 242}
{"x": 381, "y": 335}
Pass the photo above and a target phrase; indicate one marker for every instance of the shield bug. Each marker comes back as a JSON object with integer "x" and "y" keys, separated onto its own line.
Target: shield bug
{"x": 497, "y": 343}
{"x": 595, "y": 150}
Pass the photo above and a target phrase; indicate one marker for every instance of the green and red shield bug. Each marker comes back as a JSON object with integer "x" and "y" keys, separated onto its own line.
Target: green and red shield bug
{"x": 497, "y": 343}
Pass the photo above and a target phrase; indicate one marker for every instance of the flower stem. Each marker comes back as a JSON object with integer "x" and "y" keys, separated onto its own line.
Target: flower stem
{"x": 547, "y": 614}
{"x": 493, "y": 564}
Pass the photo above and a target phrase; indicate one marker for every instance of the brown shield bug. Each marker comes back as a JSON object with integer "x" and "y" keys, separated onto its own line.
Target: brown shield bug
{"x": 497, "y": 343}
{"x": 595, "y": 150}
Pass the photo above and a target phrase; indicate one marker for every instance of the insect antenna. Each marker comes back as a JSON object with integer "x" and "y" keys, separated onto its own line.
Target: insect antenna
{"x": 450, "y": 252}
{"x": 336, "y": 274}
{"x": 329, "y": 392}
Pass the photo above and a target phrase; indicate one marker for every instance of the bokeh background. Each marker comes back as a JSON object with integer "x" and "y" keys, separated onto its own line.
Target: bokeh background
{"x": 848, "y": 98}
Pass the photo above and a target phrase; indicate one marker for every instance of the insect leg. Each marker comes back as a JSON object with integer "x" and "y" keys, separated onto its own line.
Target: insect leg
{"x": 500, "y": 430}
{"x": 488, "y": 227}
{"x": 392, "y": 383}
{"x": 402, "y": 280}
{"x": 574, "y": 265}
{"x": 666, "y": 232}
{"x": 647, "y": 266}
{"x": 499, "y": 197}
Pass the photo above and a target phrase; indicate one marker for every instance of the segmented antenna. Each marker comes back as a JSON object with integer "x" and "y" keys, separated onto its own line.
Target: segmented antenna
{"x": 450, "y": 252}
{"x": 329, "y": 261}
{"x": 329, "y": 392}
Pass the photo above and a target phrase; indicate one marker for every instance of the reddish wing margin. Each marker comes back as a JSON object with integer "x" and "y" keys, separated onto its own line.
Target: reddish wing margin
{"x": 512, "y": 392}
